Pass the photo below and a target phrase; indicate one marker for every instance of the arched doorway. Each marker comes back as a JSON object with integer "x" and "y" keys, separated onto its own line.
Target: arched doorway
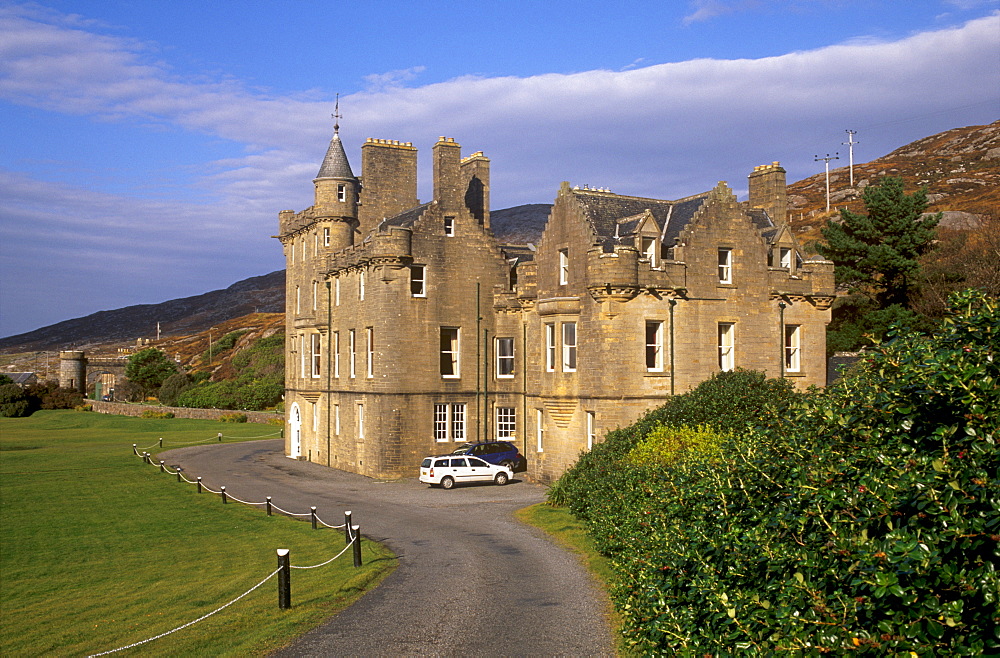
{"x": 295, "y": 433}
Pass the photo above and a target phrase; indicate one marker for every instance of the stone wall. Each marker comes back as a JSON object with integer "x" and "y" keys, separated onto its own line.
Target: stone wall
{"x": 136, "y": 410}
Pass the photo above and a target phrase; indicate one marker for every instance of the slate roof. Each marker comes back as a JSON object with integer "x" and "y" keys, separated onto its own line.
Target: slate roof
{"x": 405, "y": 218}
{"x": 615, "y": 217}
{"x": 335, "y": 164}
{"x": 520, "y": 224}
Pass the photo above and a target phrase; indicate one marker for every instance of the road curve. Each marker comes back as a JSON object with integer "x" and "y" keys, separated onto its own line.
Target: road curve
{"x": 471, "y": 579}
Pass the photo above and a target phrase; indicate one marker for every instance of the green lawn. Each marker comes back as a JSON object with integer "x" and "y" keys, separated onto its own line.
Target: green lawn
{"x": 99, "y": 550}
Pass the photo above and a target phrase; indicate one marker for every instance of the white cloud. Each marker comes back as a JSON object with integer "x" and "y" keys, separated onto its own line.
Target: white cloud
{"x": 667, "y": 130}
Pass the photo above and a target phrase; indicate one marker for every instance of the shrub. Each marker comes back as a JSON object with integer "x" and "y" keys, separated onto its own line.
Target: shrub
{"x": 157, "y": 414}
{"x": 277, "y": 421}
{"x": 172, "y": 387}
{"x": 864, "y": 518}
{"x": 49, "y": 395}
{"x": 14, "y": 401}
{"x": 233, "y": 418}
{"x": 666, "y": 444}
{"x": 84, "y": 407}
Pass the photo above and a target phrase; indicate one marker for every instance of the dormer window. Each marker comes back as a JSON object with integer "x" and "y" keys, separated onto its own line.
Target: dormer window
{"x": 341, "y": 192}
{"x": 785, "y": 258}
{"x": 649, "y": 250}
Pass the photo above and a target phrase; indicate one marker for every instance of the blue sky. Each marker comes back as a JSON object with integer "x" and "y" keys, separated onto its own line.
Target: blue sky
{"x": 148, "y": 146}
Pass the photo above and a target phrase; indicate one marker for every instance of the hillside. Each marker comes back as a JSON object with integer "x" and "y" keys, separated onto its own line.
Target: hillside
{"x": 177, "y": 317}
{"x": 960, "y": 169}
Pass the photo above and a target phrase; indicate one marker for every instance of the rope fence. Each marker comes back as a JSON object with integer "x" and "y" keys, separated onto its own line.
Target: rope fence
{"x": 352, "y": 539}
{"x": 218, "y": 438}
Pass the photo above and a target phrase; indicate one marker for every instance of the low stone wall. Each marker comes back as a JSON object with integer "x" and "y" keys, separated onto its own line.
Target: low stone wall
{"x": 136, "y": 410}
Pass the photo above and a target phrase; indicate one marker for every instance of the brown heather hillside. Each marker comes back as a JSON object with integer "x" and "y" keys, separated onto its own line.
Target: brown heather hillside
{"x": 960, "y": 169}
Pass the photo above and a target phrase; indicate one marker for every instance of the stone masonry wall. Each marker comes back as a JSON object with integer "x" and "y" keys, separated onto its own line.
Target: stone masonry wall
{"x": 136, "y": 410}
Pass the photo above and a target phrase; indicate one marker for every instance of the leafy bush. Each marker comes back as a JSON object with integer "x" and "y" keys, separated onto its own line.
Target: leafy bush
{"x": 49, "y": 395}
{"x": 173, "y": 386}
{"x": 14, "y": 401}
{"x": 666, "y": 444}
{"x": 233, "y": 418}
{"x": 225, "y": 343}
{"x": 157, "y": 414}
{"x": 84, "y": 407}
{"x": 149, "y": 368}
{"x": 864, "y": 518}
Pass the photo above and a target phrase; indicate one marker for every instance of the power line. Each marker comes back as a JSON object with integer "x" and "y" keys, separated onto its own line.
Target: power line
{"x": 850, "y": 144}
{"x": 816, "y": 158}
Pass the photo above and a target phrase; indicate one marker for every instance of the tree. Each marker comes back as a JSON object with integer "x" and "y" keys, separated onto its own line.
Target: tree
{"x": 877, "y": 254}
{"x": 149, "y": 368}
{"x": 14, "y": 401}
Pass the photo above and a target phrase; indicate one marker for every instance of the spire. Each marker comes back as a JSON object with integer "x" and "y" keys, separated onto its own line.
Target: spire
{"x": 335, "y": 164}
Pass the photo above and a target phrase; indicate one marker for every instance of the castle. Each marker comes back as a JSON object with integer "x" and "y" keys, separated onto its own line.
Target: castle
{"x": 412, "y": 327}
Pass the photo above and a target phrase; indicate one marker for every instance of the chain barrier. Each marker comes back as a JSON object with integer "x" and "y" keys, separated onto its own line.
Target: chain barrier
{"x": 190, "y": 623}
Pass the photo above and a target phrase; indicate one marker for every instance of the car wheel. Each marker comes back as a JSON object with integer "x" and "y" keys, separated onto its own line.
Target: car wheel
{"x": 447, "y": 482}
{"x": 501, "y": 479}
{"x": 509, "y": 464}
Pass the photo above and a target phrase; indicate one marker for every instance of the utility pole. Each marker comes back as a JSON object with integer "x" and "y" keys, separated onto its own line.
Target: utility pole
{"x": 850, "y": 145}
{"x": 816, "y": 158}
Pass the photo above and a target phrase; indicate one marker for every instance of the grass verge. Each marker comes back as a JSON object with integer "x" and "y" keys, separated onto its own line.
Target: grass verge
{"x": 567, "y": 531}
{"x": 99, "y": 550}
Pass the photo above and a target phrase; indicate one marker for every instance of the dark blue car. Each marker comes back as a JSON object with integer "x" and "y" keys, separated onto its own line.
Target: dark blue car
{"x": 501, "y": 453}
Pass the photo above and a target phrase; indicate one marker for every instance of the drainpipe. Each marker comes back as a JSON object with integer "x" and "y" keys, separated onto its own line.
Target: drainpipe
{"x": 781, "y": 336}
{"x": 479, "y": 320}
{"x": 329, "y": 370}
{"x": 486, "y": 384}
{"x": 524, "y": 387}
{"x": 673, "y": 303}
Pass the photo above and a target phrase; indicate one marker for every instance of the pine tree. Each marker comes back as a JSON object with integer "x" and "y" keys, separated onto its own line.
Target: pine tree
{"x": 878, "y": 254}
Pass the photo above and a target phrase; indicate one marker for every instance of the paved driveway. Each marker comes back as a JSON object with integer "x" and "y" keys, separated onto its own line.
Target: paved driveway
{"x": 471, "y": 580}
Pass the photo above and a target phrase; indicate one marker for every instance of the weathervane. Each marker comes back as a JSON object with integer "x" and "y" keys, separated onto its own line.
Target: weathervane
{"x": 336, "y": 116}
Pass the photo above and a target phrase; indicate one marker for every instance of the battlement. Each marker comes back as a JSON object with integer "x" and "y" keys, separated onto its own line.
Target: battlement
{"x": 392, "y": 143}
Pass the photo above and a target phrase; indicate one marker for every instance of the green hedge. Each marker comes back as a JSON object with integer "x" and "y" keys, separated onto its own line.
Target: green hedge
{"x": 860, "y": 519}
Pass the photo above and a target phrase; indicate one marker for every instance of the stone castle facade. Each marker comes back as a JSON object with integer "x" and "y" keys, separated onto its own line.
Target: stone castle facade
{"x": 415, "y": 326}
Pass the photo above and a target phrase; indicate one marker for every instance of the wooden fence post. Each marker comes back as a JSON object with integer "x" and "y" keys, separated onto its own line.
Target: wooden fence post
{"x": 269, "y": 506}
{"x": 223, "y": 491}
{"x": 357, "y": 545}
{"x": 347, "y": 527}
{"x": 199, "y": 484}
{"x": 284, "y": 579}
{"x": 312, "y": 513}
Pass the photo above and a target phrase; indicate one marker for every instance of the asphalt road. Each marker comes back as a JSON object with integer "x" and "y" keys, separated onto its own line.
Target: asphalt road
{"x": 471, "y": 580}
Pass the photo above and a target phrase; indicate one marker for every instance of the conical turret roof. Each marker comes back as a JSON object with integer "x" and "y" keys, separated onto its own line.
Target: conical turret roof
{"x": 335, "y": 164}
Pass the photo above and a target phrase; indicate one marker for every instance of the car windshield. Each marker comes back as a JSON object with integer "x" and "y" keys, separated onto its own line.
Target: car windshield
{"x": 462, "y": 450}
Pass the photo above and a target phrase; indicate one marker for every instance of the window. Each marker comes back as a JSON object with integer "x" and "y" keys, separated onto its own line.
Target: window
{"x": 298, "y": 300}
{"x": 440, "y": 422}
{"x": 418, "y": 281}
{"x": 315, "y": 295}
{"x": 725, "y": 265}
{"x": 370, "y": 352}
{"x": 361, "y": 421}
{"x": 550, "y": 347}
{"x": 793, "y": 354}
{"x": 654, "y": 346}
{"x": 314, "y": 410}
{"x": 449, "y": 352}
{"x": 449, "y": 226}
{"x": 326, "y": 237}
{"x": 563, "y": 267}
{"x": 353, "y": 350}
{"x": 785, "y": 257}
{"x": 449, "y": 422}
{"x": 726, "y": 347}
{"x": 336, "y": 354}
{"x": 341, "y": 192}
{"x": 569, "y": 346}
{"x": 505, "y": 357}
{"x": 336, "y": 419}
{"x": 540, "y": 429}
{"x": 591, "y": 435}
{"x": 506, "y": 423}
{"x": 292, "y": 251}
{"x": 303, "y": 357}
{"x": 317, "y": 353}
{"x": 315, "y": 244}
{"x": 336, "y": 291}
{"x": 649, "y": 249}
{"x": 361, "y": 285}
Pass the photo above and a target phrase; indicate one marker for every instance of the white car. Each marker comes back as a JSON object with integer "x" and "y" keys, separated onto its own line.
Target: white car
{"x": 449, "y": 470}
